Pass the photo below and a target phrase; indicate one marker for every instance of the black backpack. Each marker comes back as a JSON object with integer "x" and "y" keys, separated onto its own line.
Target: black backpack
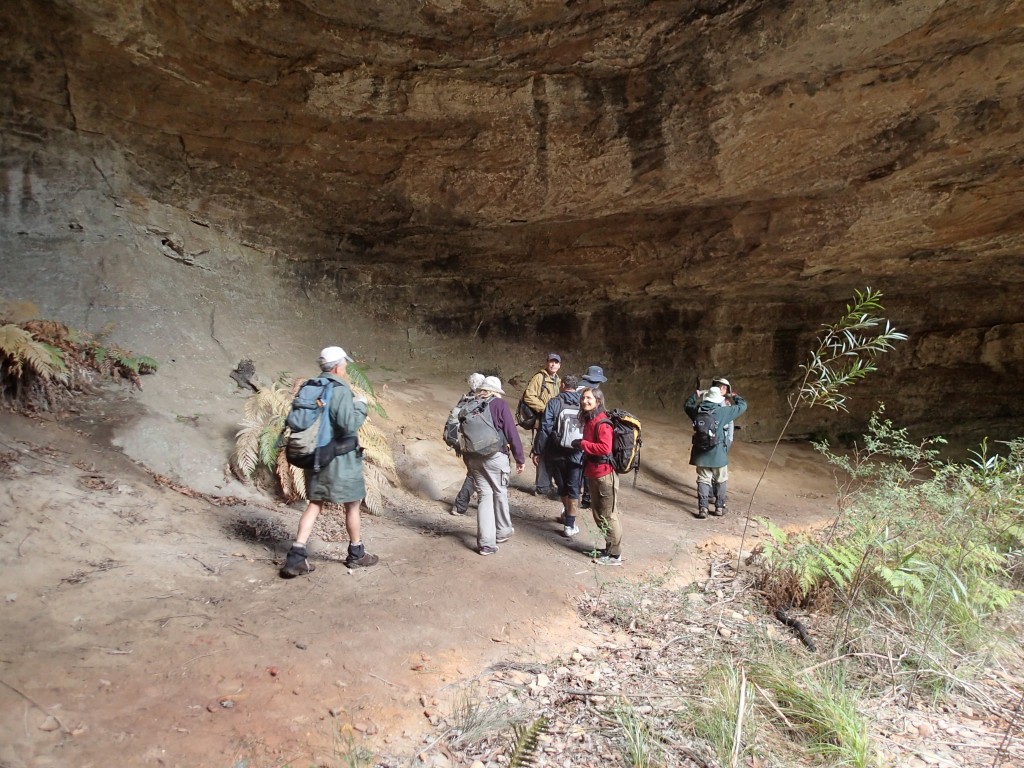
{"x": 525, "y": 415}
{"x": 705, "y": 429}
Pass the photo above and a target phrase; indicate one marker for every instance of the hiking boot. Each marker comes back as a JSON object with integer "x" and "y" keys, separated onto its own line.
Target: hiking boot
{"x": 506, "y": 537}
{"x": 358, "y": 557}
{"x": 296, "y": 564}
{"x": 488, "y": 551}
{"x": 718, "y": 511}
{"x": 570, "y": 531}
{"x": 456, "y": 511}
{"x": 607, "y": 559}
{"x": 702, "y": 513}
{"x": 361, "y": 562}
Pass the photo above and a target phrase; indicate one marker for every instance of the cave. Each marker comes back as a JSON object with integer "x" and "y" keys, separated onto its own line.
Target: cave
{"x": 673, "y": 189}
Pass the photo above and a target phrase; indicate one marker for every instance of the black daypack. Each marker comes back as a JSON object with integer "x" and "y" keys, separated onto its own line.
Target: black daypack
{"x": 526, "y": 417}
{"x": 626, "y": 442}
{"x": 705, "y": 429}
{"x": 310, "y": 443}
{"x": 479, "y": 436}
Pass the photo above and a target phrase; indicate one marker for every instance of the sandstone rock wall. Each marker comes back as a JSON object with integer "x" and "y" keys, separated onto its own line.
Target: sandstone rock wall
{"x": 672, "y": 188}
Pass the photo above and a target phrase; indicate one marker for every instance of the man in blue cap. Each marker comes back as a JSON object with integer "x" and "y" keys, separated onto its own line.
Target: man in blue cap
{"x": 542, "y": 387}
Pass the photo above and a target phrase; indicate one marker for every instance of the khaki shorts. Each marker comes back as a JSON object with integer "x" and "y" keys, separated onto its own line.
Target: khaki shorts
{"x": 707, "y": 475}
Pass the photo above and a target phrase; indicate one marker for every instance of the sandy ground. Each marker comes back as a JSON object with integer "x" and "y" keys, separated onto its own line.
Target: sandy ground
{"x": 143, "y": 625}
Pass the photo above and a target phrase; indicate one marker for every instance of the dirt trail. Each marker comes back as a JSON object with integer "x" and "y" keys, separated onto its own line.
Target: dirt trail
{"x": 146, "y": 627}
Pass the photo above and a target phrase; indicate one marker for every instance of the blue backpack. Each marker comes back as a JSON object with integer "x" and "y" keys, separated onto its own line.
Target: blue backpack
{"x": 310, "y": 443}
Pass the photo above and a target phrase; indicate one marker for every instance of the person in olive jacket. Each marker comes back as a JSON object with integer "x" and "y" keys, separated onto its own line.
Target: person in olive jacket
{"x": 713, "y": 465}
{"x": 341, "y": 481}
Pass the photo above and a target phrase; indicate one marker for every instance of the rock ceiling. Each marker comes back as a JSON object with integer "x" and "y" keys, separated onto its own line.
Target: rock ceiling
{"x": 675, "y": 187}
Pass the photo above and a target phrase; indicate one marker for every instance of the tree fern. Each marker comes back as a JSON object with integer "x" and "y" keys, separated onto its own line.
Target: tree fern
{"x": 258, "y": 443}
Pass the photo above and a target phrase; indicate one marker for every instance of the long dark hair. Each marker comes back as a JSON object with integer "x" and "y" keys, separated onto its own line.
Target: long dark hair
{"x": 586, "y": 416}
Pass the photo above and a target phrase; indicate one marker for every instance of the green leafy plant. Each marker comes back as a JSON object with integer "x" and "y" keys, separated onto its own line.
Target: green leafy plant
{"x": 43, "y": 364}
{"x": 926, "y": 551}
{"x": 845, "y": 354}
{"x": 258, "y": 454}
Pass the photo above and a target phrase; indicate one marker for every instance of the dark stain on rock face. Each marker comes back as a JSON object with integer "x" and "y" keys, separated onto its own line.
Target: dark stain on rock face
{"x": 634, "y": 101}
{"x": 986, "y": 116}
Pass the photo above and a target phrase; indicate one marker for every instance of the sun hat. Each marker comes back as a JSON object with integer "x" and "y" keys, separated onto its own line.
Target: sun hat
{"x": 594, "y": 376}
{"x": 714, "y": 395}
{"x": 331, "y": 356}
{"x": 492, "y": 384}
{"x": 720, "y": 380}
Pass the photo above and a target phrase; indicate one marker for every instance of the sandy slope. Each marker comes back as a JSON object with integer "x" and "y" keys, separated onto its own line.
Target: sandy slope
{"x": 146, "y": 626}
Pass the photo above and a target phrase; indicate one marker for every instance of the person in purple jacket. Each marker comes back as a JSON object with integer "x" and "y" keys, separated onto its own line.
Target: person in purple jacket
{"x": 491, "y": 474}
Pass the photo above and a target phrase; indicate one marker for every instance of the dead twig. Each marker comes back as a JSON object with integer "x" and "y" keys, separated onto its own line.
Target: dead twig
{"x": 737, "y": 735}
{"x": 36, "y": 704}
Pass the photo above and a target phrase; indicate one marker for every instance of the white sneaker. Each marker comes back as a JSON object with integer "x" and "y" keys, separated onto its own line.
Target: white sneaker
{"x": 570, "y": 532}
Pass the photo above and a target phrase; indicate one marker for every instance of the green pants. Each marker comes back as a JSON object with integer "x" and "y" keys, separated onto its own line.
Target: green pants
{"x": 604, "y": 492}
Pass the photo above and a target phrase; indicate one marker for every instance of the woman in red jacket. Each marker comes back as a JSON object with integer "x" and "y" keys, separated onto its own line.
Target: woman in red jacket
{"x": 601, "y": 478}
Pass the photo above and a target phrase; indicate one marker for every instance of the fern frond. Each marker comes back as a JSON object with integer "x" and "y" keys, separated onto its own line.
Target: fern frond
{"x": 247, "y": 450}
{"x": 298, "y": 479}
{"x": 525, "y": 743}
{"x": 359, "y": 380}
{"x": 22, "y": 349}
{"x": 773, "y": 530}
{"x": 291, "y": 479}
{"x": 841, "y": 562}
{"x": 376, "y": 447}
{"x": 376, "y": 481}
{"x": 270, "y": 445}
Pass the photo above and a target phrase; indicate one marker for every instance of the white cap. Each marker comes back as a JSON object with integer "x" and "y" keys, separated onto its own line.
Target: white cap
{"x": 475, "y": 380}
{"x": 493, "y": 384}
{"x": 331, "y": 356}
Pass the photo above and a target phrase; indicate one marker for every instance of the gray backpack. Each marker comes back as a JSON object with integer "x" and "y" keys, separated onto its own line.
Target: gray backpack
{"x": 478, "y": 435}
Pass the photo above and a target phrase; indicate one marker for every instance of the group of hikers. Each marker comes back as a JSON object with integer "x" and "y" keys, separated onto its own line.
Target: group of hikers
{"x": 571, "y": 449}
